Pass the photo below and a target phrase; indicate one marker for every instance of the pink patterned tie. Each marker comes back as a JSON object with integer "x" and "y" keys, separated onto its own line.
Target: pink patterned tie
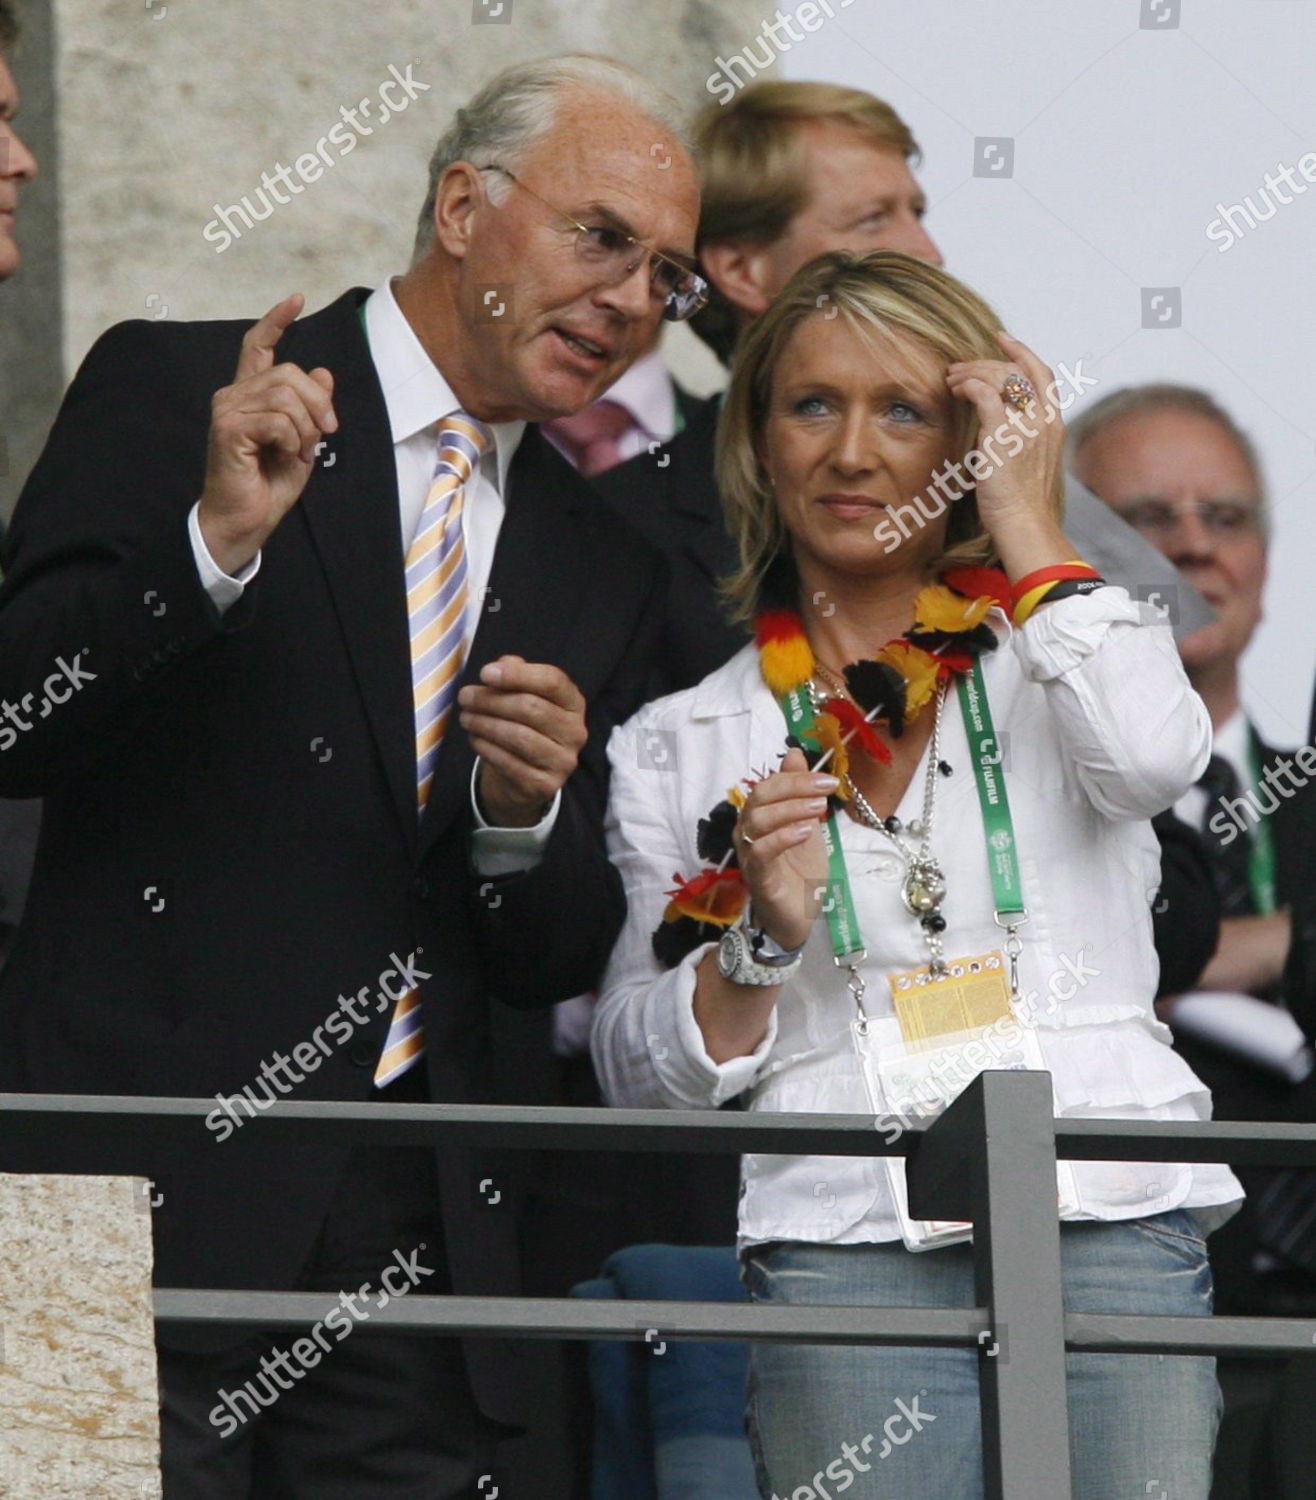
{"x": 590, "y": 438}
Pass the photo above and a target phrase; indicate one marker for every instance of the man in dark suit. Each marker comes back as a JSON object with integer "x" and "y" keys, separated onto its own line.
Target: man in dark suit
{"x": 1178, "y": 467}
{"x": 282, "y": 853}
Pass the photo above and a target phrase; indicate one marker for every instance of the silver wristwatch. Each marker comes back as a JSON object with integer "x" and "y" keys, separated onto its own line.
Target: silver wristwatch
{"x": 747, "y": 955}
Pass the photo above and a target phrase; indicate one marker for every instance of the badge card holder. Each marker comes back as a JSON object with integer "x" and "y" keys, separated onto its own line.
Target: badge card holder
{"x": 950, "y": 1026}
{"x": 945, "y": 1032}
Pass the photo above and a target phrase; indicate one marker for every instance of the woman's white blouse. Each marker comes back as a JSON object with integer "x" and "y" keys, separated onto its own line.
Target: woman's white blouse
{"x": 1100, "y": 731}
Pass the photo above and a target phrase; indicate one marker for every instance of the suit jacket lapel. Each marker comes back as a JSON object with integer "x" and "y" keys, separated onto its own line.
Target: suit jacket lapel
{"x": 697, "y": 521}
{"x": 539, "y": 568}
{"x": 350, "y": 505}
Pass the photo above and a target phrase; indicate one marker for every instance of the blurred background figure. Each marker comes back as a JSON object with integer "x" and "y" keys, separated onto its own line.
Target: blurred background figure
{"x": 17, "y": 164}
{"x": 19, "y": 821}
{"x": 1176, "y": 466}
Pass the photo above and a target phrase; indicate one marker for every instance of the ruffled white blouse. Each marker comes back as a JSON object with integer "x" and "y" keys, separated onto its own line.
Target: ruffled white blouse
{"x": 1100, "y": 731}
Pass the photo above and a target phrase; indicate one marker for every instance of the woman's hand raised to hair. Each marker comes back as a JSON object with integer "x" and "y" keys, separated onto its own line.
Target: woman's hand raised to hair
{"x": 1024, "y": 451}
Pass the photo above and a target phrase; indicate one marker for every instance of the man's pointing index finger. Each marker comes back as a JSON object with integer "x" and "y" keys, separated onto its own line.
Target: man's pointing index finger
{"x": 262, "y": 338}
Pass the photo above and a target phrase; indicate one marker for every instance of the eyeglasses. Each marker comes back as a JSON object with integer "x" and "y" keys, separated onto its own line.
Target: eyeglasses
{"x": 614, "y": 255}
{"x": 1222, "y": 518}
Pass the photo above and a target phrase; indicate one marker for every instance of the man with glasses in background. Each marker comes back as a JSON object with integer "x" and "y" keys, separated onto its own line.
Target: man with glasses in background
{"x": 1177, "y": 467}
{"x": 322, "y": 806}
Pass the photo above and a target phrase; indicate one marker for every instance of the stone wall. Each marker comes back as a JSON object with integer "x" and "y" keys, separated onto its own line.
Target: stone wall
{"x": 78, "y": 1402}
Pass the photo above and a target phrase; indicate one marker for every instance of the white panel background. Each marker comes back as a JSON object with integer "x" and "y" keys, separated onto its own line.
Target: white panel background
{"x": 1126, "y": 139}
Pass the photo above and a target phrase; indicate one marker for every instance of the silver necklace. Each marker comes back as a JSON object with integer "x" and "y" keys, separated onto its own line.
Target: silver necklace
{"x": 924, "y": 887}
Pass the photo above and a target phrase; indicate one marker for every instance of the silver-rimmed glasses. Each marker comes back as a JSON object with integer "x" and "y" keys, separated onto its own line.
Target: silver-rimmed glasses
{"x": 1155, "y": 518}
{"x": 614, "y": 255}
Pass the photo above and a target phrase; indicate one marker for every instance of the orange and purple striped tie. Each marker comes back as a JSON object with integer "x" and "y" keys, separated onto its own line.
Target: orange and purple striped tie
{"x": 436, "y": 608}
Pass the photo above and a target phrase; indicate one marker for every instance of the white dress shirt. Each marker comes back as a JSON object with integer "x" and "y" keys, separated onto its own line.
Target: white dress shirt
{"x": 417, "y": 397}
{"x": 1103, "y": 731}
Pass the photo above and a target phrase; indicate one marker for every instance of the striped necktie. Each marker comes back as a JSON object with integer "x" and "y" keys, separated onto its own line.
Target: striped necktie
{"x": 436, "y": 609}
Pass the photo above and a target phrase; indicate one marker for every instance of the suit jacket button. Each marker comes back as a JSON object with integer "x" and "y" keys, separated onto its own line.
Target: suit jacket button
{"x": 363, "y": 1055}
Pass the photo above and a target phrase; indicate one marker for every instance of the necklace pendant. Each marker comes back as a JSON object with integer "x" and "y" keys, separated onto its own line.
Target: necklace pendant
{"x": 924, "y": 887}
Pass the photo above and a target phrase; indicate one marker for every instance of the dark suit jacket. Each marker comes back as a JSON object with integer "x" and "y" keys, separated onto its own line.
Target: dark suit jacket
{"x": 671, "y": 498}
{"x": 1241, "y": 1091}
{"x": 1186, "y": 913}
{"x": 256, "y": 772}
{"x": 19, "y": 822}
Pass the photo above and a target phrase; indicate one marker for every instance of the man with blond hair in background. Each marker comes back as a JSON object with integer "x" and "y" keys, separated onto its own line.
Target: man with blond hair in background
{"x": 787, "y": 170}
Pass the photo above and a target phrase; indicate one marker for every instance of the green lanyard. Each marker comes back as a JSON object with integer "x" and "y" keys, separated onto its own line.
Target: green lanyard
{"x": 1002, "y": 858}
{"x": 1261, "y": 857}
{"x": 848, "y": 949}
{"x": 847, "y": 944}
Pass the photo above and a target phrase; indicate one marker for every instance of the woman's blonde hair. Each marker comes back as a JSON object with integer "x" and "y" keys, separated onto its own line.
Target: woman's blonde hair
{"x": 898, "y": 306}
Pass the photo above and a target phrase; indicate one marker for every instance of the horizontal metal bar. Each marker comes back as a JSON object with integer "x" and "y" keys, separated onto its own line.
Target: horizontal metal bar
{"x": 1242, "y": 1143}
{"x": 653, "y": 1322}
{"x": 590, "y": 1318}
{"x": 738, "y": 1322}
{"x": 35, "y": 1119}
{"x": 1134, "y": 1334}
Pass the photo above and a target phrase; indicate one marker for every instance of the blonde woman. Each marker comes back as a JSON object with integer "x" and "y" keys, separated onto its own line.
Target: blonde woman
{"x": 911, "y": 824}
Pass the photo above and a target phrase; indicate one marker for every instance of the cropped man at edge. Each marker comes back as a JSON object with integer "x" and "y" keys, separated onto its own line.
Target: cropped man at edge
{"x": 18, "y": 166}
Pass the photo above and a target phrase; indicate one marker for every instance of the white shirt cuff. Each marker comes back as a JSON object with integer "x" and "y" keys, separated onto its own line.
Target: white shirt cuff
{"x": 223, "y": 589}
{"x": 717, "y": 1082}
{"x": 1057, "y": 637}
{"x": 508, "y": 851}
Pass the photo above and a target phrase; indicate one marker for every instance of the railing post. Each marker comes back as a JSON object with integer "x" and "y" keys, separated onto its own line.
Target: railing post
{"x": 991, "y": 1158}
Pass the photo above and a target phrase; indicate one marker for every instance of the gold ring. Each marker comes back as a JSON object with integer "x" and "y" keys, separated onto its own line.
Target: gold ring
{"x": 1017, "y": 391}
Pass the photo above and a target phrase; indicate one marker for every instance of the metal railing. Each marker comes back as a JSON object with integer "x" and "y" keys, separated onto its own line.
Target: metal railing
{"x": 990, "y": 1158}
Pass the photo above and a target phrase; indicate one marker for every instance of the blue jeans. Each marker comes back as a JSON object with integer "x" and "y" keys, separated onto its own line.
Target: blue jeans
{"x": 903, "y": 1424}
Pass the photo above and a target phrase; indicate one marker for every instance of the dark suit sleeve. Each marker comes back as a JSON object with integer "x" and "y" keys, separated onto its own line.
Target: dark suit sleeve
{"x": 101, "y": 595}
{"x": 545, "y": 935}
{"x": 1299, "y": 985}
{"x": 1186, "y": 916}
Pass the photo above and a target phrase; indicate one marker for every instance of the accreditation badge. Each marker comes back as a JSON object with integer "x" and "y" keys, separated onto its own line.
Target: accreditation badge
{"x": 946, "y": 1030}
